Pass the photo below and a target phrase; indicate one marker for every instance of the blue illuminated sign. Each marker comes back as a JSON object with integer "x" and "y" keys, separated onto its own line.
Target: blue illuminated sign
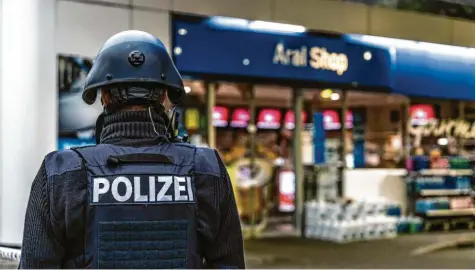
{"x": 67, "y": 143}
{"x": 227, "y": 47}
{"x": 427, "y": 69}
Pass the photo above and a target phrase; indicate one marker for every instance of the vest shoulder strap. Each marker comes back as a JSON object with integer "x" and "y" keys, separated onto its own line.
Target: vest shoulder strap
{"x": 206, "y": 161}
{"x": 59, "y": 162}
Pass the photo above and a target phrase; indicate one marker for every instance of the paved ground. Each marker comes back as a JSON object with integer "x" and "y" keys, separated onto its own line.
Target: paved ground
{"x": 4, "y": 264}
{"x": 396, "y": 253}
{"x": 391, "y": 254}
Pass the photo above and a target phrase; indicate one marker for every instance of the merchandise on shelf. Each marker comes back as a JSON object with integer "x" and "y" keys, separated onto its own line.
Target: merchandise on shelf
{"x": 394, "y": 210}
{"x": 343, "y": 222}
{"x": 409, "y": 224}
{"x": 425, "y": 205}
{"x": 440, "y": 192}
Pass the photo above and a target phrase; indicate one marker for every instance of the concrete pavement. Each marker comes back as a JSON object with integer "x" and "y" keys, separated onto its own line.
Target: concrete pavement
{"x": 388, "y": 254}
{"x": 291, "y": 252}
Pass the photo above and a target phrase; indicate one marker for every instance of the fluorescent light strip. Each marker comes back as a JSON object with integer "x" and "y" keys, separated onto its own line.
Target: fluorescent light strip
{"x": 417, "y": 45}
{"x": 278, "y": 27}
{"x": 257, "y": 25}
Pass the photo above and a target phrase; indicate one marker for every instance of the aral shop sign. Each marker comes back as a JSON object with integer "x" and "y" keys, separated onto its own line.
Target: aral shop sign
{"x": 315, "y": 57}
{"x": 445, "y": 128}
{"x": 267, "y": 52}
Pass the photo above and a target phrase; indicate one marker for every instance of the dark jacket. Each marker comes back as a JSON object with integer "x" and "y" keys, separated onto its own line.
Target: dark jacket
{"x": 49, "y": 240}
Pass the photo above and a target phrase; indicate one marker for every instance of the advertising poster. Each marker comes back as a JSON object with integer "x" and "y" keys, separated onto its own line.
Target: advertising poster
{"x": 332, "y": 120}
{"x": 76, "y": 119}
{"x": 269, "y": 119}
{"x": 422, "y": 114}
{"x": 192, "y": 119}
{"x": 290, "y": 121}
{"x": 287, "y": 191}
{"x": 220, "y": 116}
{"x": 240, "y": 118}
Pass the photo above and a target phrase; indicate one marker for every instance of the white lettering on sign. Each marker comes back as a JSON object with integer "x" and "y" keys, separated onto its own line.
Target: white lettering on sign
{"x": 317, "y": 58}
{"x": 446, "y": 128}
{"x": 142, "y": 189}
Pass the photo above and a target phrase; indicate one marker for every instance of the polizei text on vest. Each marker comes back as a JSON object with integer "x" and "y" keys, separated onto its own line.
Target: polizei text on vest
{"x": 141, "y": 189}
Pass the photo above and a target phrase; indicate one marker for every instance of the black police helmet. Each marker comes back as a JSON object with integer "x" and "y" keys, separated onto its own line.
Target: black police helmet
{"x": 133, "y": 59}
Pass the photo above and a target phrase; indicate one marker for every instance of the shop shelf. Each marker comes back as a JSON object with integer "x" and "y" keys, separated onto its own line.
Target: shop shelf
{"x": 445, "y": 192}
{"x": 450, "y": 212}
{"x": 447, "y": 172}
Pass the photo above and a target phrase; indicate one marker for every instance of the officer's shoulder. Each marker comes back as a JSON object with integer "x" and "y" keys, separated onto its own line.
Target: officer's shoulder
{"x": 206, "y": 161}
{"x": 184, "y": 145}
{"x": 62, "y": 161}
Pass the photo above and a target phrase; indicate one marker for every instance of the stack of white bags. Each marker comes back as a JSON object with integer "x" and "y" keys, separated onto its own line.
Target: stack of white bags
{"x": 344, "y": 222}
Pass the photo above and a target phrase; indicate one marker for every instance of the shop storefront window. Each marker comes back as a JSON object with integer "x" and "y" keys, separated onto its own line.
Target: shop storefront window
{"x": 445, "y": 127}
{"x": 373, "y": 122}
{"x": 261, "y": 165}
{"x": 373, "y": 128}
{"x": 361, "y": 129}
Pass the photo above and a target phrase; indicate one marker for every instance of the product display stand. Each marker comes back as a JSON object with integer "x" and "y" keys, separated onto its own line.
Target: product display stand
{"x": 443, "y": 198}
{"x": 346, "y": 221}
{"x": 330, "y": 218}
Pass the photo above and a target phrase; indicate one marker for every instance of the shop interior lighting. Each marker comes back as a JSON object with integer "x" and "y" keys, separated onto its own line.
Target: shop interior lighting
{"x": 420, "y": 113}
{"x": 396, "y": 142}
{"x": 349, "y": 161}
{"x": 216, "y": 116}
{"x": 278, "y": 27}
{"x": 442, "y": 141}
{"x": 188, "y": 89}
{"x": 326, "y": 93}
{"x": 417, "y": 45}
{"x": 335, "y": 96}
{"x": 279, "y": 162}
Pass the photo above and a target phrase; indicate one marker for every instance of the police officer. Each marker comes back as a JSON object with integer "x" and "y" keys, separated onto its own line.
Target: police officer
{"x": 140, "y": 198}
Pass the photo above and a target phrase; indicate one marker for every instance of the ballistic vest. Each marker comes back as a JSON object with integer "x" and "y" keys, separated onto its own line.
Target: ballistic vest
{"x": 141, "y": 209}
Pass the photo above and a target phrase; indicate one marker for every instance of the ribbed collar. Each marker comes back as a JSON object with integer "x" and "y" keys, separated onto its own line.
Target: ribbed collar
{"x": 132, "y": 128}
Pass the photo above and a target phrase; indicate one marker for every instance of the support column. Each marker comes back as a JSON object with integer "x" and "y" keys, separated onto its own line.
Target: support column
{"x": 461, "y": 116}
{"x": 406, "y": 145}
{"x": 343, "y": 142}
{"x": 298, "y": 98}
{"x": 405, "y": 132}
{"x": 28, "y": 104}
{"x": 211, "y": 89}
{"x": 249, "y": 93}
